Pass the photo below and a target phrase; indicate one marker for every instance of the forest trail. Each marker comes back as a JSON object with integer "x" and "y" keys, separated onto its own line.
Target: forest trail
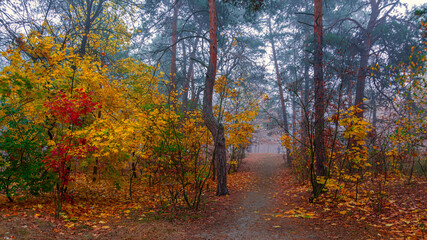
{"x": 252, "y": 216}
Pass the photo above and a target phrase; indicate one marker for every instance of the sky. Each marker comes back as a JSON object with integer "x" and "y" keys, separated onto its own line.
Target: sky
{"x": 411, "y": 3}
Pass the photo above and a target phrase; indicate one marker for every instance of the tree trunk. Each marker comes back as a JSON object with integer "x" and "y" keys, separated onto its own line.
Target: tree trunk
{"x": 88, "y": 23}
{"x": 374, "y": 112}
{"x": 306, "y": 94}
{"x": 95, "y": 170}
{"x": 190, "y": 75}
{"x": 279, "y": 84}
{"x": 364, "y": 55}
{"x": 173, "y": 49}
{"x": 296, "y": 88}
{"x": 319, "y": 93}
{"x": 87, "y": 27}
{"x": 361, "y": 76}
{"x": 184, "y": 59}
{"x": 214, "y": 126}
{"x": 349, "y": 92}
{"x": 294, "y": 117}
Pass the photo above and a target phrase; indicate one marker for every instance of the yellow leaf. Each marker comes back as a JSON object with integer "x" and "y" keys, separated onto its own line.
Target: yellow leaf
{"x": 69, "y": 225}
{"x": 310, "y": 214}
{"x": 291, "y": 212}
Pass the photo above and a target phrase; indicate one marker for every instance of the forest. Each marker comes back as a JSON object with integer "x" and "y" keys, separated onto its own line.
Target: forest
{"x": 139, "y": 119}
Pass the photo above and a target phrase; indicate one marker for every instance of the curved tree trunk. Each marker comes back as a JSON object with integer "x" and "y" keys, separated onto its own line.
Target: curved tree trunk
{"x": 214, "y": 126}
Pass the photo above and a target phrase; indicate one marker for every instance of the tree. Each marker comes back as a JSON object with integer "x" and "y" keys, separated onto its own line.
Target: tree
{"x": 22, "y": 143}
{"x": 368, "y": 36}
{"x": 279, "y": 84}
{"x": 319, "y": 98}
{"x": 174, "y": 43}
{"x": 214, "y": 126}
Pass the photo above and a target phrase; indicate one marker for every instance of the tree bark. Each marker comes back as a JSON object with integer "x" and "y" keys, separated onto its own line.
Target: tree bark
{"x": 88, "y": 23}
{"x": 361, "y": 76}
{"x": 279, "y": 84}
{"x": 374, "y": 111}
{"x": 173, "y": 49}
{"x": 190, "y": 75}
{"x": 214, "y": 126}
{"x": 319, "y": 92}
{"x": 368, "y": 41}
{"x": 87, "y": 27}
{"x": 306, "y": 94}
{"x": 294, "y": 117}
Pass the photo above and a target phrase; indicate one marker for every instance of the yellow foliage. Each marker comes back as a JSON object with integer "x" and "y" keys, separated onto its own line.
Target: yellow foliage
{"x": 237, "y": 109}
{"x": 286, "y": 141}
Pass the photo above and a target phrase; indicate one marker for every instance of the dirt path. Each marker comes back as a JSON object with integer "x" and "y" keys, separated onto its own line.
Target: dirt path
{"x": 252, "y": 216}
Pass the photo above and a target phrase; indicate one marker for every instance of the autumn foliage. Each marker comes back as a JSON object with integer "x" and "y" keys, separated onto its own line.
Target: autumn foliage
{"x": 71, "y": 115}
{"x": 366, "y": 164}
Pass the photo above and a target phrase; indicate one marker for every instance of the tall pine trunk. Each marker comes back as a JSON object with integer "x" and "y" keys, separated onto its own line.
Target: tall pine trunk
{"x": 212, "y": 123}
{"x": 319, "y": 98}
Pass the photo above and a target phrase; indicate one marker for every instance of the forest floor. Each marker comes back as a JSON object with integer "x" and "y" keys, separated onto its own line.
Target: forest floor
{"x": 254, "y": 213}
{"x": 265, "y": 203}
{"x": 261, "y": 210}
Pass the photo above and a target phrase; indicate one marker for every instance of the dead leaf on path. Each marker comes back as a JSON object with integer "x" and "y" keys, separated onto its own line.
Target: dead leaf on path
{"x": 290, "y": 212}
{"x": 69, "y": 225}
